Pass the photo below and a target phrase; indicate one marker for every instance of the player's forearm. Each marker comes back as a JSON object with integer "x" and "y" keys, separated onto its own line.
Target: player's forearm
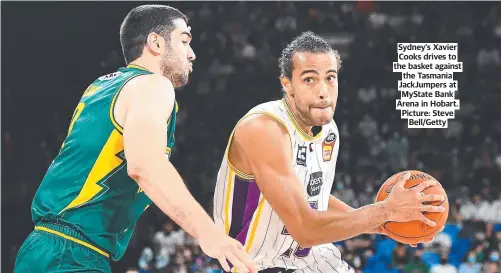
{"x": 338, "y": 205}
{"x": 162, "y": 183}
{"x": 337, "y": 225}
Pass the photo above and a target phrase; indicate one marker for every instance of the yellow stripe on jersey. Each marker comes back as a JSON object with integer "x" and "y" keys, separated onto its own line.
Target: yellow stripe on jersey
{"x": 112, "y": 110}
{"x": 295, "y": 123}
{"x": 106, "y": 162}
{"x": 137, "y": 67}
{"x": 227, "y": 201}
{"x": 117, "y": 126}
{"x": 254, "y": 224}
{"x": 112, "y": 107}
{"x": 80, "y": 242}
{"x": 240, "y": 173}
{"x": 237, "y": 171}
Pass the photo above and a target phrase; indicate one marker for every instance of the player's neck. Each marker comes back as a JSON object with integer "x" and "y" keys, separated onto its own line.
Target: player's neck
{"x": 298, "y": 120}
{"x": 147, "y": 64}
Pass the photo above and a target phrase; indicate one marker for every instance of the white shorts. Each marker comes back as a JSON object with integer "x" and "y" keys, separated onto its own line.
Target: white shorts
{"x": 327, "y": 259}
{"x": 324, "y": 259}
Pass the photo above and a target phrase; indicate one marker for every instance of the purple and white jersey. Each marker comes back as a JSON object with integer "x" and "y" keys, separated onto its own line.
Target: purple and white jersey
{"x": 242, "y": 211}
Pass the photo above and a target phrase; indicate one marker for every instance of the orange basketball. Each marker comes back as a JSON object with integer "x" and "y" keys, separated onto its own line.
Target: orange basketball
{"x": 415, "y": 232}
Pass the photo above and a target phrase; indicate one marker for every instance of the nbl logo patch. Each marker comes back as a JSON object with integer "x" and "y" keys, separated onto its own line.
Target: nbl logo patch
{"x": 328, "y": 146}
{"x": 301, "y": 155}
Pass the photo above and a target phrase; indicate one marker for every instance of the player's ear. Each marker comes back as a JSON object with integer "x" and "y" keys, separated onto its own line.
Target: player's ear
{"x": 286, "y": 85}
{"x": 155, "y": 43}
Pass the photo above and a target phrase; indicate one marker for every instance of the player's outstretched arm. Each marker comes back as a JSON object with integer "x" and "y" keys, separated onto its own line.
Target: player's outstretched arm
{"x": 267, "y": 148}
{"x": 147, "y": 103}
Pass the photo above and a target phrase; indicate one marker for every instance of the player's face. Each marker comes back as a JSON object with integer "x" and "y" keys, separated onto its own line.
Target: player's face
{"x": 178, "y": 56}
{"x": 313, "y": 88}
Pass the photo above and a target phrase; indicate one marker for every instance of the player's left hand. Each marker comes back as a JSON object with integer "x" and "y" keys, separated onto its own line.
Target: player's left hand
{"x": 219, "y": 246}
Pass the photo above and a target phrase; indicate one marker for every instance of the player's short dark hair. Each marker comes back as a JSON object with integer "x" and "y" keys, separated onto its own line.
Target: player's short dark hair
{"x": 305, "y": 42}
{"x": 143, "y": 20}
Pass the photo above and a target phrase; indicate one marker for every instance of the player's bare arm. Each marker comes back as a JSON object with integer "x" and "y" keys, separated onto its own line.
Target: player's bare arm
{"x": 144, "y": 107}
{"x": 338, "y": 205}
{"x": 335, "y": 204}
{"x": 145, "y": 114}
{"x": 267, "y": 149}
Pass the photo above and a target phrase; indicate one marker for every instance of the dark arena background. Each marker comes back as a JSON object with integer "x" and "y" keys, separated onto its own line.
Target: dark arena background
{"x": 51, "y": 51}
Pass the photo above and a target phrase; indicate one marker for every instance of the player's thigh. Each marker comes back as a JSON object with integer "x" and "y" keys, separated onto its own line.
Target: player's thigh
{"x": 34, "y": 255}
{"x": 327, "y": 266}
{"x": 327, "y": 258}
{"x": 77, "y": 258}
{"x": 44, "y": 252}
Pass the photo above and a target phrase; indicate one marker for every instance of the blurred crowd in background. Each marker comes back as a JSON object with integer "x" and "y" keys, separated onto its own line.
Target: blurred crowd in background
{"x": 237, "y": 46}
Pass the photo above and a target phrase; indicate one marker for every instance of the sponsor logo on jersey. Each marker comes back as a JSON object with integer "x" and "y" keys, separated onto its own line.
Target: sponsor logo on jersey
{"x": 110, "y": 76}
{"x": 328, "y": 146}
{"x": 301, "y": 155}
{"x": 315, "y": 184}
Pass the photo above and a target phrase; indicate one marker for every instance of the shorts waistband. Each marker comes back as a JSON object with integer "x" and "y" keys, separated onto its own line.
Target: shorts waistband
{"x": 69, "y": 234}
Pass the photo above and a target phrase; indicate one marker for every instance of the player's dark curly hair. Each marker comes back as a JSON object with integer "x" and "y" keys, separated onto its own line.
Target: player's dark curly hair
{"x": 143, "y": 20}
{"x": 305, "y": 42}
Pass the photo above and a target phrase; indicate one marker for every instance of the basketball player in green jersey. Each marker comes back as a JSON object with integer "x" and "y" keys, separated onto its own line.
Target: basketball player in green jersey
{"x": 114, "y": 162}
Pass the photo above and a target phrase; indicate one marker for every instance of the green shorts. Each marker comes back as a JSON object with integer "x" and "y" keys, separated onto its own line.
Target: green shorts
{"x": 52, "y": 248}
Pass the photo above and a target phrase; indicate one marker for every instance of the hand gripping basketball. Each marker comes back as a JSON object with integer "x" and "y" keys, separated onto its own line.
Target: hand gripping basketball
{"x": 417, "y": 207}
{"x": 409, "y": 204}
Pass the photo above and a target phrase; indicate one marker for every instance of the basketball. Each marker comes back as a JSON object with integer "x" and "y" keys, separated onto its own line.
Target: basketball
{"x": 415, "y": 232}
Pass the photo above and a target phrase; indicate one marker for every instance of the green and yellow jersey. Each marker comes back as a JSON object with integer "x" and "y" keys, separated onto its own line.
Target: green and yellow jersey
{"x": 87, "y": 187}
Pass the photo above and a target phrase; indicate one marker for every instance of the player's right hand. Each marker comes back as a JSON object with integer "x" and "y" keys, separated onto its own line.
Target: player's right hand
{"x": 224, "y": 248}
{"x": 406, "y": 205}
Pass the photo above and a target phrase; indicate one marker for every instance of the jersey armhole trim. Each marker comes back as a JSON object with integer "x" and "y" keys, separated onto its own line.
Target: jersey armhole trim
{"x": 115, "y": 123}
{"x": 174, "y": 111}
{"x": 239, "y": 173}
